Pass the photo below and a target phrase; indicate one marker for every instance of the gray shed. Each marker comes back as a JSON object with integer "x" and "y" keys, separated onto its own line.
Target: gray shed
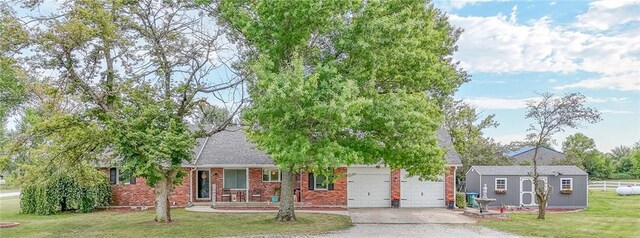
{"x": 513, "y": 185}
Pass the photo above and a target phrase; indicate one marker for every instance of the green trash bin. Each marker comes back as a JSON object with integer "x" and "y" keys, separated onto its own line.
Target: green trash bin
{"x": 471, "y": 197}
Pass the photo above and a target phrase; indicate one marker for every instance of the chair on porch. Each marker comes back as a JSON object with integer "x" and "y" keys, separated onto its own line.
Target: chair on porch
{"x": 226, "y": 193}
{"x": 256, "y": 193}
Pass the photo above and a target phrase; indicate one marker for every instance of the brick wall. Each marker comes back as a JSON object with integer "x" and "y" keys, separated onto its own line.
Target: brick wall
{"x": 256, "y": 183}
{"x": 325, "y": 198}
{"x": 449, "y": 184}
{"x": 140, "y": 194}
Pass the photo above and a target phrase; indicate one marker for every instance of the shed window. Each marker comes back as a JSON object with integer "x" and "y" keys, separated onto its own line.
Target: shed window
{"x": 501, "y": 184}
{"x": 566, "y": 184}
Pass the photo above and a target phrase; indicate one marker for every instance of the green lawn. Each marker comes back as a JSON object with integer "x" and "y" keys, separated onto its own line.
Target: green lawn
{"x": 139, "y": 224}
{"x": 609, "y": 215}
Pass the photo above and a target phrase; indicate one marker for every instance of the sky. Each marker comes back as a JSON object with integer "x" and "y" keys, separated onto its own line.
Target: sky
{"x": 515, "y": 50}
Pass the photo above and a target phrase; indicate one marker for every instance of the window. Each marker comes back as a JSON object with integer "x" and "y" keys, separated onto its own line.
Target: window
{"x": 116, "y": 175}
{"x": 315, "y": 182}
{"x": 501, "y": 184}
{"x": 566, "y": 184}
{"x": 235, "y": 178}
{"x": 271, "y": 175}
{"x": 319, "y": 183}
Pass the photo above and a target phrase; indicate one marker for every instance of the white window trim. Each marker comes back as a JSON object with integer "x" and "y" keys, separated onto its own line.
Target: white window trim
{"x": 496, "y": 184}
{"x": 570, "y": 183}
{"x": 198, "y": 181}
{"x": 315, "y": 182}
{"x": 272, "y": 181}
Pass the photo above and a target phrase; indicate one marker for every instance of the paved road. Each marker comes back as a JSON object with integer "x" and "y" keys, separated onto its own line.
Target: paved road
{"x": 419, "y": 230}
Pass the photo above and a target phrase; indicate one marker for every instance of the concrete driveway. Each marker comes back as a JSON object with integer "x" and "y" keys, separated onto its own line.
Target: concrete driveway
{"x": 408, "y": 216}
{"x": 418, "y": 230}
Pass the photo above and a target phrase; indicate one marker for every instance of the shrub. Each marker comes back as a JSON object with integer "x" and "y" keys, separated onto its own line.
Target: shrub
{"x": 64, "y": 193}
{"x": 622, "y": 176}
{"x": 460, "y": 200}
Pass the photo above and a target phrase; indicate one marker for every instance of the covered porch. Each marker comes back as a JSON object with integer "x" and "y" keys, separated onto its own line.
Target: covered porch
{"x": 236, "y": 186}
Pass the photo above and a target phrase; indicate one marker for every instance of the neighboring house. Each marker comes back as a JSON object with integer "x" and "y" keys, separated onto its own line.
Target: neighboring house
{"x": 513, "y": 185}
{"x": 229, "y": 171}
{"x": 524, "y": 156}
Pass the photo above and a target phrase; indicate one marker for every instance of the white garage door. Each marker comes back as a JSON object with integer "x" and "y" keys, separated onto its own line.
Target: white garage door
{"x": 369, "y": 187}
{"x": 416, "y": 193}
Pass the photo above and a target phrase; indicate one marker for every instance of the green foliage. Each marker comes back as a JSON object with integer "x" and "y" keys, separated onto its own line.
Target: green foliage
{"x": 622, "y": 176}
{"x": 63, "y": 192}
{"x": 461, "y": 201}
{"x": 346, "y": 82}
{"x": 598, "y": 165}
{"x": 465, "y": 126}
{"x": 635, "y": 156}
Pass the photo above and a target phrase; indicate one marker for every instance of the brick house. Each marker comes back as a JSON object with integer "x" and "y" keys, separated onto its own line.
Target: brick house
{"x": 229, "y": 171}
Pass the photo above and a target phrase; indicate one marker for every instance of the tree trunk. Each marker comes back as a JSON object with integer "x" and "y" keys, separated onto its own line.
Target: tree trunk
{"x": 163, "y": 209}
{"x": 285, "y": 210}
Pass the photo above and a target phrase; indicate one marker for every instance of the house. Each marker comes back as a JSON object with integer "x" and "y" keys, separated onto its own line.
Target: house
{"x": 513, "y": 185}
{"x": 228, "y": 170}
{"x": 546, "y": 155}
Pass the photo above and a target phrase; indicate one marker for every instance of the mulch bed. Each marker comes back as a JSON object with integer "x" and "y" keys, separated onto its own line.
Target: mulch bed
{"x": 8, "y": 224}
{"x": 535, "y": 210}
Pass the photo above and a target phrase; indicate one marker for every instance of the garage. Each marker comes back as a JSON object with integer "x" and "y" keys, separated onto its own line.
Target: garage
{"x": 417, "y": 193}
{"x": 368, "y": 187}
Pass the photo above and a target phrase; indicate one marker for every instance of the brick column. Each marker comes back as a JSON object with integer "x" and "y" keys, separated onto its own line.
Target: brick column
{"x": 449, "y": 184}
{"x": 395, "y": 184}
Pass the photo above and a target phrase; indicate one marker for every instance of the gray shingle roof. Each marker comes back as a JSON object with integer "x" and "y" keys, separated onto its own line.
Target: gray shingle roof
{"x": 526, "y": 170}
{"x": 231, "y": 147}
{"x": 444, "y": 141}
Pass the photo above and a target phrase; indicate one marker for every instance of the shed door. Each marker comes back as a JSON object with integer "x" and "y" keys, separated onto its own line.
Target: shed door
{"x": 417, "y": 193}
{"x": 369, "y": 187}
{"x": 527, "y": 191}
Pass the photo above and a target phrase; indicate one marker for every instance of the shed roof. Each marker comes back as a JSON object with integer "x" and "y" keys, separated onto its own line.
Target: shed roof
{"x": 526, "y": 170}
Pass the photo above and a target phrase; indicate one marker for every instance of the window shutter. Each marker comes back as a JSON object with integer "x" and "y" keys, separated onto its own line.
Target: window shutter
{"x": 113, "y": 176}
{"x": 311, "y": 181}
{"x": 330, "y": 186}
{"x": 133, "y": 180}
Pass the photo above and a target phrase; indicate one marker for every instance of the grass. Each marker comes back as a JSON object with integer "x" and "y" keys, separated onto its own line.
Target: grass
{"x": 609, "y": 215}
{"x": 139, "y": 224}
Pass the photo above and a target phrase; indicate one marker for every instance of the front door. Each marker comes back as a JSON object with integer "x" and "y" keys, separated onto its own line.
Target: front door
{"x": 528, "y": 192}
{"x": 203, "y": 184}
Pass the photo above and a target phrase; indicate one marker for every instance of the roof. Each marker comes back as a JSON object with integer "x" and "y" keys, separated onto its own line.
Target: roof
{"x": 526, "y": 170}
{"x": 231, "y": 147}
{"x": 444, "y": 141}
{"x": 527, "y": 149}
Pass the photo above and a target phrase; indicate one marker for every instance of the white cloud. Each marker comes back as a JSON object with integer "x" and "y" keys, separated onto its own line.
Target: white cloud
{"x": 514, "y": 12}
{"x": 603, "y": 15}
{"x": 623, "y": 82}
{"x": 497, "y": 44}
{"x": 553, "y": 3}
{"x": 616, "y": 111}
{"x": 499, "y": 103}
{"x": 462, "y": 3}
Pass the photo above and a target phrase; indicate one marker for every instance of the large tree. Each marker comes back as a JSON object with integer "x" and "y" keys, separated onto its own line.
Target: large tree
{"x": 345, "y": 82}
{"x": 466, "y": 125}
{"x": 552, "y": 115}
{"x": 581, "y": 151}
{"x": 137, "y": 70}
